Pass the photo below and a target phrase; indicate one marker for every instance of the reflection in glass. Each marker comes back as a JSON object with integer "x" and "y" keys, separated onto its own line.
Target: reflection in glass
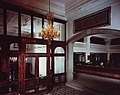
{"x": 59, "y": 64}
{"x": 25, "y": 25}
{"x": 35, "y": 48}
{"x": 14, "y": 46}
{"x": 37, "y": 26}
{"x": 42, "y": 66}
{"x": 12, "y": 23}
{"x": 30, "y": 67}
{"x": 59, "y": 50}
{"x": 1, "y": 21}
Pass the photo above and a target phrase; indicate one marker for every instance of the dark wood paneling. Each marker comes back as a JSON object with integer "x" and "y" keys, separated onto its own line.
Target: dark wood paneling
{"x": 105, "y": 72}
{"x": 97, "y": 40}
{"x": 5, "y": 21}
{"x": 115, "y": 41}
{"x": 96, "y": 19}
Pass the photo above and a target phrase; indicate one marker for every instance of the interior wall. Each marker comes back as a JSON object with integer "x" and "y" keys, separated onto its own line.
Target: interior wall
{"x": 93, "y": 48}
{"x": 115, "y": 24}
{"x": 115, "y": 16}
{"x": 96, "y": 48}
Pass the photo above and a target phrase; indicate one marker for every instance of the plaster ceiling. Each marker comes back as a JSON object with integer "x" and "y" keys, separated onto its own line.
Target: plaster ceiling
{"x": 60, "y": 8}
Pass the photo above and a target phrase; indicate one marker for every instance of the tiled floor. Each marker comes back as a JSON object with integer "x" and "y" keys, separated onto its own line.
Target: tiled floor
{"x": 90, "y": 85}
{"x": 65, "y": 90}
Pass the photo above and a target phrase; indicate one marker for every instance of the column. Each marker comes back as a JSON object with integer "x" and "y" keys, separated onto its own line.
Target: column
{"x": 69, "y": 67}
{"x": 107, "y": 43}
{"x": 87, "y": 41}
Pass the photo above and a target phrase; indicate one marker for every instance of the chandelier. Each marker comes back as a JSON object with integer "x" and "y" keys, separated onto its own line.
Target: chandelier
{"x": 49, "y": 32}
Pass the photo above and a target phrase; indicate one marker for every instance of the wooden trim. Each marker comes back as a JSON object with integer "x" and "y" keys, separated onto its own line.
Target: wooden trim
{"x": 5, "y": 21}
{"x": 105, "y": 72}
{"x": 19, "y": 24}
{"x": 32, "y": 27}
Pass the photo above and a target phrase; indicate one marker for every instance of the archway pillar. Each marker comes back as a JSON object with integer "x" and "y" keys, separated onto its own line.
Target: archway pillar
{"x": 69, "y": 66}
{"x": 107, "y": 42}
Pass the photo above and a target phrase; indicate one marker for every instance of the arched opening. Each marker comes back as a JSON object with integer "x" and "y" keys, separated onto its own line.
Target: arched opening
{"x": 98, "y": 48}
{"x": 88, "y": 32}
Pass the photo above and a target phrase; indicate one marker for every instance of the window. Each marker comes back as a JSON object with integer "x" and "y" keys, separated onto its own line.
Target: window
{"x": 25, "y": 25}
{"x": 35, "y": 48}
{"x": 59, "y": 64}
{"x": 13, "y": 68}
{"x": 60, "y": 28}
{"x": 42, "y": 66}
{"x": 37, "y": 26}
{"x": 14, "y": 47}
{"x": 59, "y": 50}
{"x": 12, "y": 23}
{"x": 30, "y": 67}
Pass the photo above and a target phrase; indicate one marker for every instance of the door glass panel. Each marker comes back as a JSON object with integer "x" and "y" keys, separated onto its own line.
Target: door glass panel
{"x": 42, "y": 66}
{"x": 37, "y": 26}
{"x": 25, "y": 25}
{"x": 13, "y": 68}
{"x": 30, "y": 67}
{"x": 1, "y": 21}
{"x": 59, "y": 64}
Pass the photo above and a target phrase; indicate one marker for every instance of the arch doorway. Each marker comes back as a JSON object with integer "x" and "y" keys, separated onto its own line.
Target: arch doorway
{"x": 97, "y": 48}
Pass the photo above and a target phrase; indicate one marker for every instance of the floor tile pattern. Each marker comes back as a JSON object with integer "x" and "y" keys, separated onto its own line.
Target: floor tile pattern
{"x": 65, "y": 90}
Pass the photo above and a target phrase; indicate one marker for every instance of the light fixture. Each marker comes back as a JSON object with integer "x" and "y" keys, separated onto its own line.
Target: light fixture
{"x": 49, "y": 32}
